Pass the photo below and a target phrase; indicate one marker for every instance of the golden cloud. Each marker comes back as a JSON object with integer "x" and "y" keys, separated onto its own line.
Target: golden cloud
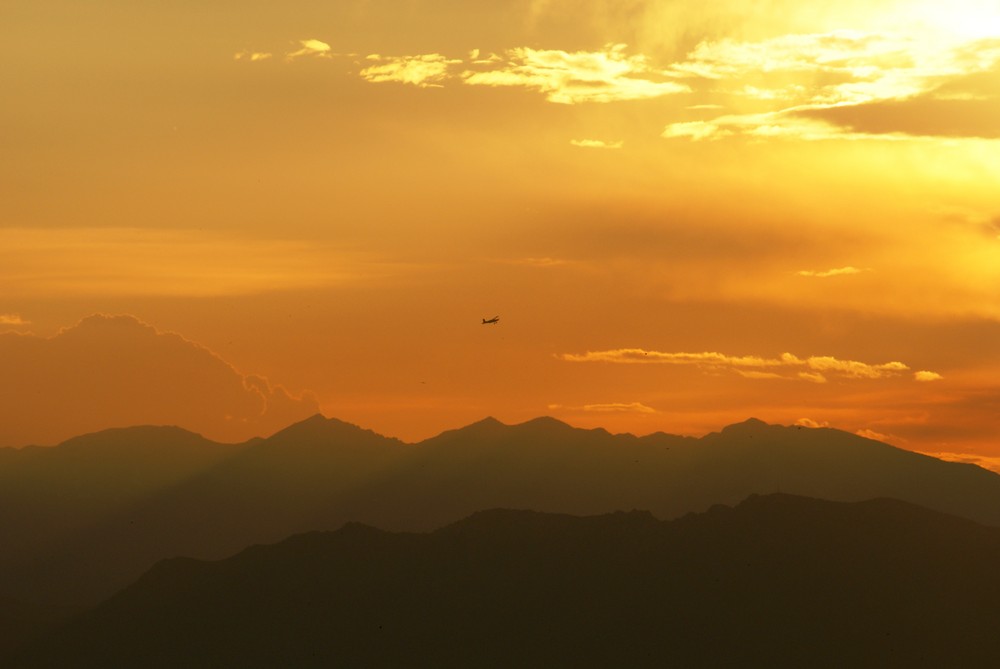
{"x": 252, "y": 56}
{"x": 566, "y": 77}
{"x": 991, "y": 463}
{"x": 878, "y": 436}
{"x": 423, "y": 71}
{"x": 810, "y": 423}
{"x": 310, "y": 47}
{"x": 13, "y": 319}
{"x": 630, "y": 407}
{"x": 812, "y": 369}
{"x": 596, "y": 144}
{"x": 847, "y": 85}
{"x": 839, "y": 271}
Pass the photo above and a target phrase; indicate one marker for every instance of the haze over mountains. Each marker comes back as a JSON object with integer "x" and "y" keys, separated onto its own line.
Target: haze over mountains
{"x": 777, "y": 581}
{"x": 89, "y": 516}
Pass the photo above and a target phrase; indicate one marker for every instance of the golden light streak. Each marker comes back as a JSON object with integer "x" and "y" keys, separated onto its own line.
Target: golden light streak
{"x": 133, "y": 261}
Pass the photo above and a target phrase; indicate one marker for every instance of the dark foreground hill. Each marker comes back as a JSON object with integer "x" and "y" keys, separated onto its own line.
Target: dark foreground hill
{"x": 778, "y": 581}
{"x": 84, "y": 519}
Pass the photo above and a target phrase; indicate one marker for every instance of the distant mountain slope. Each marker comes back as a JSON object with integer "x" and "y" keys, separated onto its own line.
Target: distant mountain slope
{"x": 52, "y": 498}
{"x": 778, "y": 581}
{"x": 138, "y": 496}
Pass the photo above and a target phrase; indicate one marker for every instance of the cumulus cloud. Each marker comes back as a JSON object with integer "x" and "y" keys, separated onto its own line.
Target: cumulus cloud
{"x": 423, "y": 71}
{"x": 13, "y": 319}
{"x": 839, "y": 271}
{"x": 581, "y": 76}
{"x": 813, "y": 368}
{"x": 926, "y": 376}
{"x": 596, "y": 144}
{"x": 113, "y": 371}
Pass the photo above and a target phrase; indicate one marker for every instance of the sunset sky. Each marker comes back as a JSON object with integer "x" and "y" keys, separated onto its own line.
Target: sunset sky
{"x": 684, "y": 213}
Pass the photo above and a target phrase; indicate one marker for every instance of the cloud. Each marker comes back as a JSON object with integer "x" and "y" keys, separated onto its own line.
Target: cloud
{"x": 924, "y": 115}
{"x": 112, "y": 371}
{"x": 696, "y": 130}
{"x": 926, "y": 376}
{"x": 630, "y": 407}
{"x": 991, "y": 463}
{"x": 576, "y": 77}
{"x": 877, "y": 436}
{"x": 854, "y": 369}
{"x": 840, "y": 271}
{"x": 13, "y": 319}
{"x": 848, "y": 84}
{"x": 596, "y": 144}
{"x": 810, "y": 423}
{"x": 252, "y": 56}
{"x": 423, "y": 71}
{"x": 310, "y": 47}
{"x": 814, "y": 368}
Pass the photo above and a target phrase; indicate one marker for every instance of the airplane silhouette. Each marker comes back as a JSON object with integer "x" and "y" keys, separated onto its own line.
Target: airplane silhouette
{"x": 491, "y": 321}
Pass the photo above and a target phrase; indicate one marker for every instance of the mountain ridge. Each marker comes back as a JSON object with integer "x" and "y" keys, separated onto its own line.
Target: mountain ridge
{"x": 81, "y": 527}
{"x": 776, "y": 580}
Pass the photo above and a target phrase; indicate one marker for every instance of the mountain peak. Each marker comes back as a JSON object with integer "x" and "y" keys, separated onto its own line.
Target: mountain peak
{"x": 319, "y": 428}
{"x": 749, "y": 425}
{"x": 545, "y": 423}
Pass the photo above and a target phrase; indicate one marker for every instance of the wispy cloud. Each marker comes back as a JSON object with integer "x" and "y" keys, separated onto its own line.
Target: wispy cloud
{"x": 814, "y": 368}
{"x": 696, "y": 130}
{"x": 565, "y": 77}
{"x": 846, "y": 84}
{"x": 810, "y": 423}
{"x": 596, "y": 144}
{"x": 310, "y": 47}
{"x": 630, "y": 407}
{"x": 878, "y": 436}
{"x": 13, "y": 319}
{"x": 252, "y": 56}
{"x": 424, "y": 70}
{"x": 608, "y": 407}
{"x": 991, "y": 463}
{"x": 839, "y": 271}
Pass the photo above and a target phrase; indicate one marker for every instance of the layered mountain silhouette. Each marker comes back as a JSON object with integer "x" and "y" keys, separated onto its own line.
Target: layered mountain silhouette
{"x": 778, "y": 581}
{"x": 87, "y": 517}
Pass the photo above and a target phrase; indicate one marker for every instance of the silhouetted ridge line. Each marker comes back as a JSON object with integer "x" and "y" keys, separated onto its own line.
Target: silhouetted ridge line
{"x": 318, "y": 427}
{"x": 776, "y": 581}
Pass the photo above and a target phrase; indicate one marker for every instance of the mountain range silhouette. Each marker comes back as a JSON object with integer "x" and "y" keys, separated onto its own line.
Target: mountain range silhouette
{"x": 83, "y": 519}
{"x": 777, "y": 581}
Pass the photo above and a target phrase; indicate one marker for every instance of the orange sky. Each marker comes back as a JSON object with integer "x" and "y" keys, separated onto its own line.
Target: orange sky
{"x": 685, "y": 214}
